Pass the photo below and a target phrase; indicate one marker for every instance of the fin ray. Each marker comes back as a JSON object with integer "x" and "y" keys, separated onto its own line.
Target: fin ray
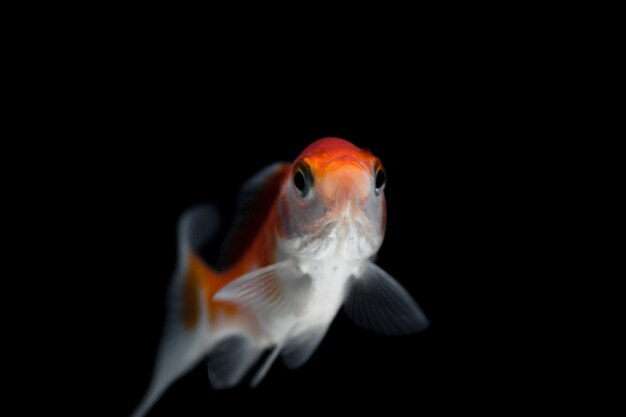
{"x": 264, "y": 369}
{"x": 276, "y": 289}
{"x": 379, "y": 303}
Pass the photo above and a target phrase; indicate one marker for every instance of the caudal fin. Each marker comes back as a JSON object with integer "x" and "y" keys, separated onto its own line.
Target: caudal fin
{"x": 186, "y": 337}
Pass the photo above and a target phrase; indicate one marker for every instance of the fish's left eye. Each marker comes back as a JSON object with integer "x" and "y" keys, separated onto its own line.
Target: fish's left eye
{"x": 381, "y": 180}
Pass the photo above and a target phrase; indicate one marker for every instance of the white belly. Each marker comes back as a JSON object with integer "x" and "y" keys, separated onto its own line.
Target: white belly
{"x": 330, "y": 262}
{"x": 329, "y": 278}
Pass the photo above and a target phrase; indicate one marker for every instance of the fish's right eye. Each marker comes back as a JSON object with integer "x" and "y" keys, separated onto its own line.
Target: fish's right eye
{"x": 302, "y": 180}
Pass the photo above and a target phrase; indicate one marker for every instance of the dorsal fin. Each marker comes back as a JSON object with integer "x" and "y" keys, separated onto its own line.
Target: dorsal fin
{"x": 255, "y": 200}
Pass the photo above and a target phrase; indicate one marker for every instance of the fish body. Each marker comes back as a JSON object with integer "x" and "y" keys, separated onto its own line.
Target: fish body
{"x": 301, "y": 247}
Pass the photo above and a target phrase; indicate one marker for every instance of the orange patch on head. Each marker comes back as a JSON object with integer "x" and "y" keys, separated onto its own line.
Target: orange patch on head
{"x": 340, "y": 169}
{"x": 325, "y": 154}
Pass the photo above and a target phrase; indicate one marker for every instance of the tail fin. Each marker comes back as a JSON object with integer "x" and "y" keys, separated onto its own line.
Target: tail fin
{"x": 185, "y": 338}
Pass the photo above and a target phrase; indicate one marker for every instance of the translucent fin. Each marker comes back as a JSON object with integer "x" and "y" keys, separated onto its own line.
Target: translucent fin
{"x": 196, "y": 227}
{"x": 255, "y": 200}
{"x": 179, "y": 351}
{"x": 299, "y": 349}
{"x": 274, "y": 290}
{"x": 230, "y": 360}
{"x": 378, "y": 302}
{"x": 267, "y": 364}
{"x": 182, "y": 347}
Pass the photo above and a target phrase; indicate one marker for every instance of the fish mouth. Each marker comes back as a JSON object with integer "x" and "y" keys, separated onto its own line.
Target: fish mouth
{"x": 319, "y": 244}
{"x": 345, "y": 235}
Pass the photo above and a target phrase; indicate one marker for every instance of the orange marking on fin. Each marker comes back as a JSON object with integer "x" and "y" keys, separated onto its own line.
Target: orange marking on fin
{"x": 191, "y": 290}
{"x": 201, "y": 279}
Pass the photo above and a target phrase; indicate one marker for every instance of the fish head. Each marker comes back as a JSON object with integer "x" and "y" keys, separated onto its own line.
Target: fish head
{"x": 333, "y": 202}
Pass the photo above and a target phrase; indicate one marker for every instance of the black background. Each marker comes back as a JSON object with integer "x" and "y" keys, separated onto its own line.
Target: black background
{"x": 482, "y": 117}
{"x": 452, "y": 143}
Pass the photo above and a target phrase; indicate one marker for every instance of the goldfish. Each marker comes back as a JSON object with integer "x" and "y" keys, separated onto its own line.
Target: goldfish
{"x": 302, "y": 246}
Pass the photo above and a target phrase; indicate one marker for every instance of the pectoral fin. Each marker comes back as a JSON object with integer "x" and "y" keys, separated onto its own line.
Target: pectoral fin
{"x": 274, "y": 290}
{"x": 378, "y": 302}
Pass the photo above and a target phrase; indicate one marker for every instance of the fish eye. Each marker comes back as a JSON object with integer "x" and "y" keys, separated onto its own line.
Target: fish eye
{"x": 381, "y": 180}
{"x": 302, "y": 180}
